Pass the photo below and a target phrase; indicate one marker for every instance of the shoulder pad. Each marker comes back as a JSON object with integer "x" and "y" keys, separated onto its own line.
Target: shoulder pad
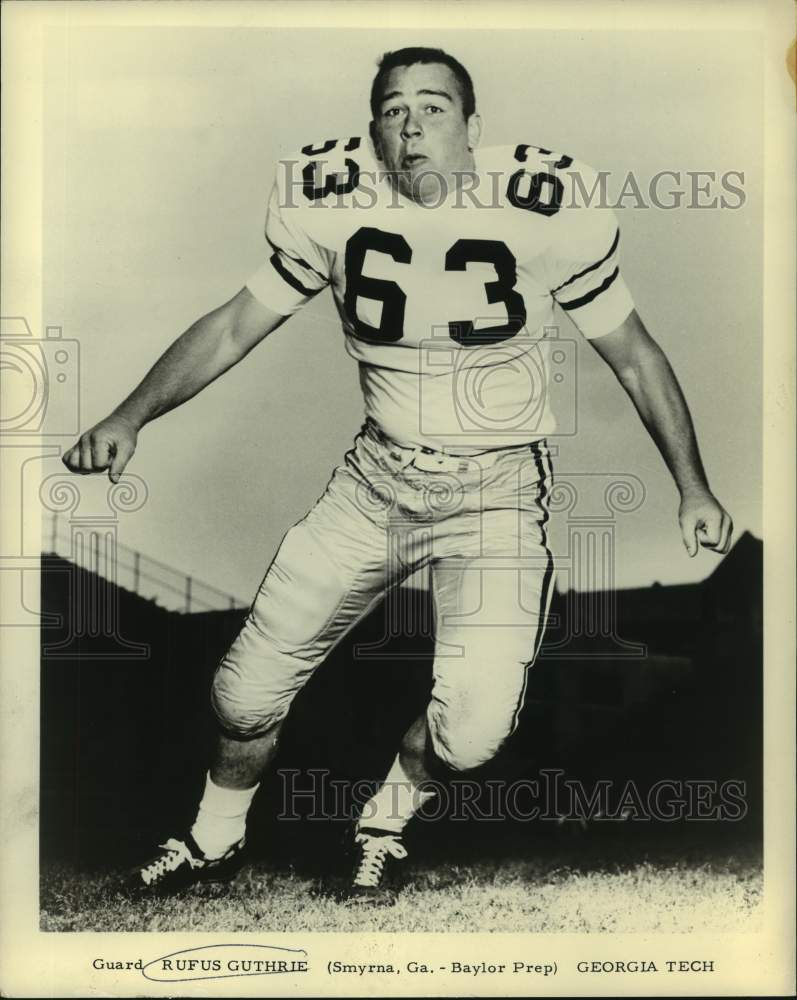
{"x": 330, "y": 166}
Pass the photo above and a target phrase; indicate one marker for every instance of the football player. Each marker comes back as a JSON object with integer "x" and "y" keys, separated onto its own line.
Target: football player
{"x": 445, "y": 261}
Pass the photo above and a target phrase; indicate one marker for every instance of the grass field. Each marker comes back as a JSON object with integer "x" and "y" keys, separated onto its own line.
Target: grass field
{"x": 552, "y": 894}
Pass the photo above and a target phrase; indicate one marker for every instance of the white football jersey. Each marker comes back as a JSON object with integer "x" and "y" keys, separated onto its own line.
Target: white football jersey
{"x": 449, "y": 308}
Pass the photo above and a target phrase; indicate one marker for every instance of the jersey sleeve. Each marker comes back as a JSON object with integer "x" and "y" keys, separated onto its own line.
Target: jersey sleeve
{"x": 584, "y": 269}
{"x": 298, "y": 268}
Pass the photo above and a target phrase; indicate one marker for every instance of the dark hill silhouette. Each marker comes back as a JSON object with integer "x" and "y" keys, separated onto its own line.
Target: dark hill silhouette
{"x": 125, "y": 733}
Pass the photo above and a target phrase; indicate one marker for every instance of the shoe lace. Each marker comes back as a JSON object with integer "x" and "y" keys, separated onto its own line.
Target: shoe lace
{"x": 374, "y": 852}
{"x": 175, "y": 853}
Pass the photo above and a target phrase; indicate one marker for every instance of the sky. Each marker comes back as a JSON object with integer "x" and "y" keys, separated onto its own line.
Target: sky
{"x": 160, "y": 145}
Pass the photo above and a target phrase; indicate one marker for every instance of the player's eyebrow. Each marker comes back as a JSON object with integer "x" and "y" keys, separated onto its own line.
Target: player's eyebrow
{"x": 400, "y": 93}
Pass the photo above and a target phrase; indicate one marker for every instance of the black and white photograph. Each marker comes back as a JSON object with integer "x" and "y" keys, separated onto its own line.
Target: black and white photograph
{"x": 397, "y": 427}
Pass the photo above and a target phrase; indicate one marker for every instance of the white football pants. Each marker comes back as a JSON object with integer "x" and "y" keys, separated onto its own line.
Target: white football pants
{"x": 478, "y": 522}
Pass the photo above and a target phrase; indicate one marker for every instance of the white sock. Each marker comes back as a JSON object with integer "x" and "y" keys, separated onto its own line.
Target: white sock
{"x": 221, "y": 819}
{"x": 395, "y": 803}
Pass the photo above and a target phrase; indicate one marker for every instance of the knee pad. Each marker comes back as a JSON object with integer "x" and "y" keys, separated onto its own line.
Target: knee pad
{"x": 239, "y": 714}
{"x": 462, "y": 747}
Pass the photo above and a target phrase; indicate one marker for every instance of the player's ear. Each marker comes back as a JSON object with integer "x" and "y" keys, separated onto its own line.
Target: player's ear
{"x": 474, "y": 131}
{"x": 372, "y": 131}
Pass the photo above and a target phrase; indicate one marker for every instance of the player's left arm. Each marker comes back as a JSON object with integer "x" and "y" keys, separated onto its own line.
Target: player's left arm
{"x": 645, "y": 373}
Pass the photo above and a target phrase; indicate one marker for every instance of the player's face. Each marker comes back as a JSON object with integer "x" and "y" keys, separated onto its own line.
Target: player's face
{"x": 421, "y": 133}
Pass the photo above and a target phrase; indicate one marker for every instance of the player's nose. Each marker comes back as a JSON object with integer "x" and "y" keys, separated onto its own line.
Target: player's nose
{"x": 412, "y": 127}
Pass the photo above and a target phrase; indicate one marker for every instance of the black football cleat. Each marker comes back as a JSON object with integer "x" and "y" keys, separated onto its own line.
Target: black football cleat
{"x": 374, "y": 872}
{"x": 180, "y": 864}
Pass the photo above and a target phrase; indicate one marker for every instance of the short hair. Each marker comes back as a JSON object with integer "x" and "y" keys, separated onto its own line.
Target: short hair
{"x": 419, "y": 54}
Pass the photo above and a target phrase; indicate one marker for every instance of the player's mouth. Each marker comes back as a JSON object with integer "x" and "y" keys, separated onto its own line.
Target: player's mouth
{"x": 411, "y": 160}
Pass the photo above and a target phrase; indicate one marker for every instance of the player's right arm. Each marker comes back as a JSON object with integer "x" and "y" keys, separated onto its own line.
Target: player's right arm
{"x": 207, "y": 349}
{"x": 297, "y": 269}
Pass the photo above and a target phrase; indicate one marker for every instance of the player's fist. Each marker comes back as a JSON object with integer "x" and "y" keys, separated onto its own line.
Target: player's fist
{"x": 704, "y": 521}
{"x": 108, "y": 445}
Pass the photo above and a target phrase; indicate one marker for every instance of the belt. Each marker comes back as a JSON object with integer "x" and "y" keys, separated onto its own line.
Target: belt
{"x": 432, "y": 460}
